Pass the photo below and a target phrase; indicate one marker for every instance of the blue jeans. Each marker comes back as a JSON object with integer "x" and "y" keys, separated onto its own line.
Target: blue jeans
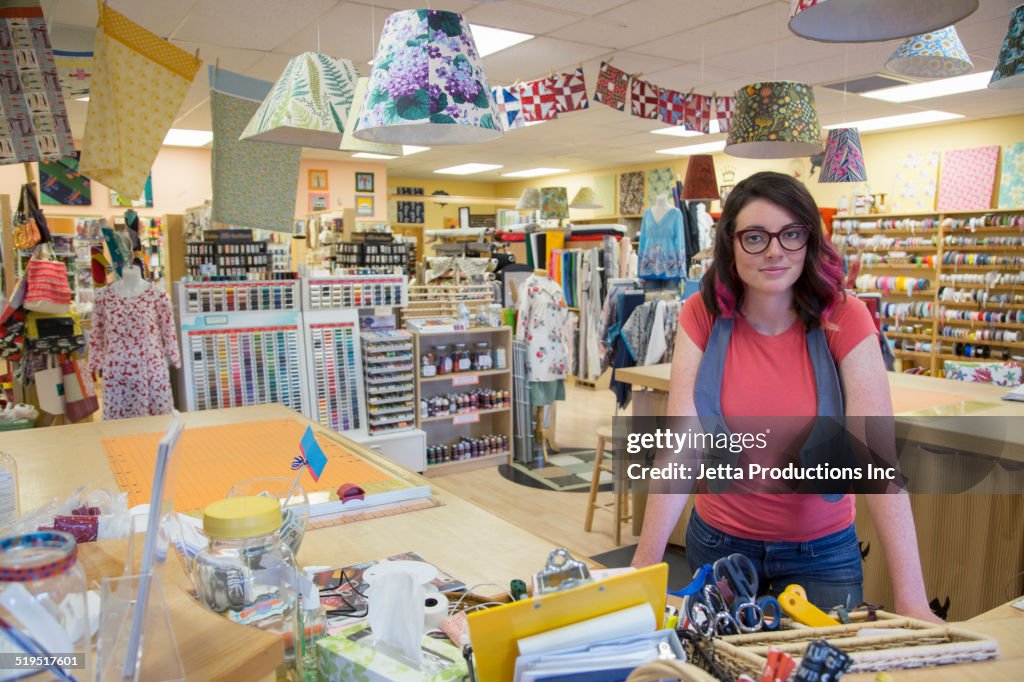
{"x": 829, "y": 568}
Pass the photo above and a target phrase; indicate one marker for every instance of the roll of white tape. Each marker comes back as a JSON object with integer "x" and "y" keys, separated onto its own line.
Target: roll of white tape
{"x": 435, "y": 609}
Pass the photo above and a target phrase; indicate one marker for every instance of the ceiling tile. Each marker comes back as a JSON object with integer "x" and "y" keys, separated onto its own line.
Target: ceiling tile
{"x": 253, "y": 24}
{"x": 515, "y": 17}
{"x": 159, "y": 17}
{"x": 589, "y": 8}
{"x": 347, "y": 31}
{"x": 536, "y": 58}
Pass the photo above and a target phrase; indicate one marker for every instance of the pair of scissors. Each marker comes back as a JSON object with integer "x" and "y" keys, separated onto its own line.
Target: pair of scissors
{"x": 751, "y": 614}
{"x": 708, "y": 612}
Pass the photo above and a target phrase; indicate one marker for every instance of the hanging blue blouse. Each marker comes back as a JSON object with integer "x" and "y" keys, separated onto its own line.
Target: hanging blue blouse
{"x": 662, "y": 250}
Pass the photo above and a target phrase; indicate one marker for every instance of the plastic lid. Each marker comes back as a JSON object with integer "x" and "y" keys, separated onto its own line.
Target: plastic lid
{"x": 242, "y": 517}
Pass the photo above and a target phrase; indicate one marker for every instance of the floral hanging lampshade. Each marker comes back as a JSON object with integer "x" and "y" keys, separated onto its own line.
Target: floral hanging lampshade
{"x": 529, "y": 200}
{"x": 585, "y": 198}
{"x": 844, "y": 160}
{"x": 427, "y": 86}
{"x": 308, "y": 105}
{"x": 349, "y": 142}
{"x": 937, "y": 54}
{"x": 1009, "y": 71}
{"x": 867, "y": 21}
{"x": 701, "y": 182}
{"x": 774, "y": 120}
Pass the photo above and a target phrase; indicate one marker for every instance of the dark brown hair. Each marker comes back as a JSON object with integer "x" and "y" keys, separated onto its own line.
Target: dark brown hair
{"x": 820, "y": 286}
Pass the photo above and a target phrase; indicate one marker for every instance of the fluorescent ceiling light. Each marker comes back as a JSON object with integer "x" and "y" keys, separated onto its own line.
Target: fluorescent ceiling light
{"x": 178, "y": 137}
{"x": 706, "y": 148}
{"x": 900, "y": 121}
{"x": 677, "y": 131}
{"x": 410, "y": 149}
{"x": 534, "y": 172}
{"x": 490, "y": 40}
{"x": 371, "y": 155}
{"x": 468, "y": 168}
{"x": 939, "y": 88}
{"x": 82, "y": 99}
{"x": 529, "y": 124}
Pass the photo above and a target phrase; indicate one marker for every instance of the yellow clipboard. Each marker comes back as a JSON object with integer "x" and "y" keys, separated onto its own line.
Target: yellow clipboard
{"x": 495, "y": 632}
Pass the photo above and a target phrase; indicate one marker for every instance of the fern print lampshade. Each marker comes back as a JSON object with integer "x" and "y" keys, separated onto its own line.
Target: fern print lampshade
{"x": 427, "y": 86}
{"x": 308, "y": 105}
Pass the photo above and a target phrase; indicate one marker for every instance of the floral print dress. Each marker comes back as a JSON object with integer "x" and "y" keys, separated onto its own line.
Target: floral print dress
{"x": 541, "y": 321}
{"x": 131, "y": 341}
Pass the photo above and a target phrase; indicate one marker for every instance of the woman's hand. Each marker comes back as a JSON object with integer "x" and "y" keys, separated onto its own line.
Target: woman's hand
{"x": 920, "y": 611}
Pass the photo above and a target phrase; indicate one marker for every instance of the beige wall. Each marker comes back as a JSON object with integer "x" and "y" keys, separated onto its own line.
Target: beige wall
{"x": 181, "y": 180}
{"x": 884, "y": 153}
{"x": 434, "y": 214}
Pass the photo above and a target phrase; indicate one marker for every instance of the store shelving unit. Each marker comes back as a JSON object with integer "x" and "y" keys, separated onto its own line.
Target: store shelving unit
{"x": 925, "y": 326}
{"x": 390, "y": 391}
{"x": 448, "y": 429}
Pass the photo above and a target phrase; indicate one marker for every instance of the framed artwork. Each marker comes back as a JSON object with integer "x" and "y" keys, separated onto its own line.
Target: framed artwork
{"x": 464, "y": 216}
{"x": 61, "y": 184}
{"x": 724, "y": 191}
{"x": 364, "y": 182}
{"x": 364, "y": 206}
{"x": 318, "y": 181}
{"x": 144, "y": 201}
{"x": 319, "y": 201}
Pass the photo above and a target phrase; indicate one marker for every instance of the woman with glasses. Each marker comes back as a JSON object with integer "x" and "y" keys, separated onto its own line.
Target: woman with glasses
{"x": 772, "y": 334}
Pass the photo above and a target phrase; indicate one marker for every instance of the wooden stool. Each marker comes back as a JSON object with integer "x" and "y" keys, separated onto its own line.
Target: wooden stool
{"x": 619, "y": 505}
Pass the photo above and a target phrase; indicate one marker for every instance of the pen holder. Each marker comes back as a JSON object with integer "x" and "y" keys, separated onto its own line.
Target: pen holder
{"x": 158, "y": 659}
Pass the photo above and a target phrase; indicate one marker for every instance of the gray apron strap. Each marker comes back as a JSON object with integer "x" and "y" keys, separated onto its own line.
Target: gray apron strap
{"x": 826, "y": 442}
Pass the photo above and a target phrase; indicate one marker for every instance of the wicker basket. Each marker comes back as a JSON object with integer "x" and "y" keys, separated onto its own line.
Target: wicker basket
{"x": 919, "y": 645}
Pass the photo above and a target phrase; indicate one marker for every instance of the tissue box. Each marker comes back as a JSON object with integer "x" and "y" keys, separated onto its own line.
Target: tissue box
{"x": 348, "y": 655}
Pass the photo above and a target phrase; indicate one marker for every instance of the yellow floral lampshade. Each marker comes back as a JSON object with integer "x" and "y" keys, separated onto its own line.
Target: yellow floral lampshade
{"x": 529, "y": 200}
{"x": 585, "y": 198}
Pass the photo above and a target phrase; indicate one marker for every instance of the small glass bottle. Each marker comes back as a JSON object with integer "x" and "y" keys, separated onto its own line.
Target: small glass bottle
{"x": 443, "y": 358}
{"x": 462, "y": 362}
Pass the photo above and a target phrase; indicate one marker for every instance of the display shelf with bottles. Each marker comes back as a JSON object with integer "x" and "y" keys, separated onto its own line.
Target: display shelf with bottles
{"x": 463, "y": 395}
{"x": 390, "y": 392}
{"x": 954, "y": 276}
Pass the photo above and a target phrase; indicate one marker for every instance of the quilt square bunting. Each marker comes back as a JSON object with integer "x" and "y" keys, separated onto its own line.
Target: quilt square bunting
{"x": 510, "y": 111}
{"x": 537, "y": 99}
{"x": 612, "y": 85}
{"x": 570, "y": 91}
{"x": 643, "y": 98}
{"x": 724, "y": 107}
{"x": 671, "y": 107}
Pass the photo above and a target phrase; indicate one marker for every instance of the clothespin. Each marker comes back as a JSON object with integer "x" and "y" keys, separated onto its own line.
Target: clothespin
{"x": 197, "y": 54}
{"x": 216, "y": 66}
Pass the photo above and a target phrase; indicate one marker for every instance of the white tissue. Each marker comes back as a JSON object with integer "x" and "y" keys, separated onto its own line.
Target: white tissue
{"x": 396, "y": 615}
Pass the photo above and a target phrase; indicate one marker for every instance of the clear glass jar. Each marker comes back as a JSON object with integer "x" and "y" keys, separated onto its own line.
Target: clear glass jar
{"x": 39, "y": 572}
{"x": 482, "y": 356}
{"x": 10, "y": 509}
{"x": 292, "y": 498}
{"x": 428, "y": 365}
{"x": 461, "y": 359}
{"x": 247, "y": 573}
{"x": 444, "y": 358}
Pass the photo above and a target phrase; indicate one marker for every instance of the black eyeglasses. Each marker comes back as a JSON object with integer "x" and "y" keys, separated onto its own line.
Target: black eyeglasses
{"x": 756, "y": 240}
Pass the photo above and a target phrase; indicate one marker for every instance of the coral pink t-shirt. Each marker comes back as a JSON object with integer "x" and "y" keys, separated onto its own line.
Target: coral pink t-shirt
{"x": 772, "y": 376}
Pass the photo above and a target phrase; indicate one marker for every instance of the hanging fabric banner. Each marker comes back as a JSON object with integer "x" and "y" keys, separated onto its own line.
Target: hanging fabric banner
{"x": 537, "y": 99}
{"x": 724, "y": 106}
{"x": 510, "y": 111}
{"x": 570, "y": 91}
{"x": 612, "y": 86}
{"x": 253, "y": 182}
{"x": 671, "y": 107}
{"x": 643, "y": 99}
{"x": 138, "y": 84}
{"x": 33, "y": 121}
{"x": 697, "y": 113}
{"x": 75, "y": 71}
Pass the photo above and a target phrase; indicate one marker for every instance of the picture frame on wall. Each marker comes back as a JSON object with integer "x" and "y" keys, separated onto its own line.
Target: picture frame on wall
{"x": 319, "y": 201}
{"x": 364, "y": 182}
{"x": 364, "y": 206}
{"x": 318, "y": 181}
{"x": 724, "y": 191}
{"x": 463, "y": 216}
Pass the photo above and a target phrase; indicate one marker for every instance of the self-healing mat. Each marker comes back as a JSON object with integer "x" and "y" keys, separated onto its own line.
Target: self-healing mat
{"x": 212, "y": 459}
{"x": 253, "y": 182}
{"x": 33, "y": 121}
{"x": 138, "y": 84}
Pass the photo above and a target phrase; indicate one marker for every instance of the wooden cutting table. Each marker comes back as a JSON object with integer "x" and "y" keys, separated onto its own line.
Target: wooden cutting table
{"x": 459, "y": 537}
{"x": 469, "y": 542}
